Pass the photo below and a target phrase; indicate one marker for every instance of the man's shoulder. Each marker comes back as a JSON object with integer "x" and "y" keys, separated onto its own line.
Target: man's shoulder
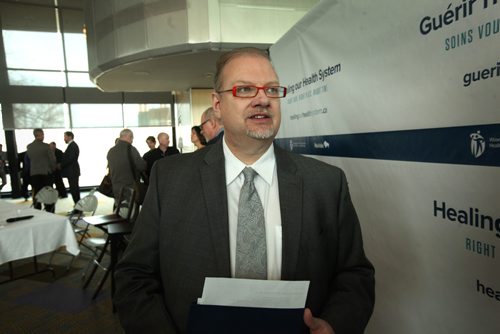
{"x": 172, "y": 150}
{"x": 36, "y": 145}
{"x": 192, "y": 159}
{"x": 148, "y": 154}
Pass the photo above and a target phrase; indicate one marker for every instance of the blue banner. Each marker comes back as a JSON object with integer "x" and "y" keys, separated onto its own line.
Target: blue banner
{"x": 464, "y": 145}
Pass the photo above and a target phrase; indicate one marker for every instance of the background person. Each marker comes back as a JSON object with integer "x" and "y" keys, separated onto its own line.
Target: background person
{"x": 197, "y": 138}
{"x": 56, "y": 175}
{"x": 70, "y": 168}
{"x": 211, "y": 126}
{"x": 160, "y": 152}
{"x": 42, "y": 165}
{"x": 24, "y": 168}
{"x": 151, "y": 142}
{"x": 311, "y": 227}
{"x": 3, "y": 164}
{"x": 119, "y": 164}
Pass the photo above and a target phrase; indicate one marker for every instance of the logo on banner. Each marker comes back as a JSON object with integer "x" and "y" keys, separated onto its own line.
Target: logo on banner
{"x": 324, "y": 144}
{"x": 477, "y": 144}
{"x": 301, "y": 144}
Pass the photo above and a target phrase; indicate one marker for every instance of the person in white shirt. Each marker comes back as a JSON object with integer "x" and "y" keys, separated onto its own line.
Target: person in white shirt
{"x": 187, "y": 228}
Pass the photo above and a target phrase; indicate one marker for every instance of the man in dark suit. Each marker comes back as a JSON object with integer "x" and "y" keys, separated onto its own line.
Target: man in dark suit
{"x": 211, "y": 126}
{"x": 187, "y": 229}
{"x": 70, "y": 168}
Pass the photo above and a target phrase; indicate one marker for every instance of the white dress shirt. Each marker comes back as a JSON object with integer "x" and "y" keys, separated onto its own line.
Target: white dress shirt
{"x": 266, "y": 183}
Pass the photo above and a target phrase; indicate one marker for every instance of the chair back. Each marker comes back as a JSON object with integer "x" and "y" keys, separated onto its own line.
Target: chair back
{"x": 126, "y": 205}
{"x": 87, "y": 203}
{"x": 47, "y": 195}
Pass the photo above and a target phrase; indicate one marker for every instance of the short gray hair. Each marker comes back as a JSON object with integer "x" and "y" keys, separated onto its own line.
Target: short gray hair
{"x": 225, "y": 58}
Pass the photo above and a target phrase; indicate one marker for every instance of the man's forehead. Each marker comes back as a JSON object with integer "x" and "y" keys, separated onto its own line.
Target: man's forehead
{"x": 236, "y": 65}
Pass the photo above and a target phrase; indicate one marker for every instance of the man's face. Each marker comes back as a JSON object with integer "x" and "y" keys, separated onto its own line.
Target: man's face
{"x": 164, "y": 140}
{"x": 248, "y": 118}
{"x": 67, "y": 139}
{"x": 151, "y": 144}
{"x": 39, "y": 136}
{"x": 208, "y": 129}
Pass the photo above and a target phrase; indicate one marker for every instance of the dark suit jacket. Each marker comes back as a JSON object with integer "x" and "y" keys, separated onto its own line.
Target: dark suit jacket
{"x": 156, "y": 154}
{"x": 216, "y": 138}
{"x": 69, "y": 163}
{"x": 182, "y": 236}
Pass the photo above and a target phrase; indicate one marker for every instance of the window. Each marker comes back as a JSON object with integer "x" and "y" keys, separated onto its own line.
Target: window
{"x": 33, "y": 50}
{"x": 36, "y": 78}
{"x": 30, "y": 115}
{"x": 96, "y": 115}
{"x": 147, "y": 115}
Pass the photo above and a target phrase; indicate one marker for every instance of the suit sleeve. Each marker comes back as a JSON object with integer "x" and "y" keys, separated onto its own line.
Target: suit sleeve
{"x": 52, "y": 159}
{"x": 350, "y": 305}
{"x": 139, "y": 162}
{"x": 139, "y": 293}
{"x": 70, "y": 156}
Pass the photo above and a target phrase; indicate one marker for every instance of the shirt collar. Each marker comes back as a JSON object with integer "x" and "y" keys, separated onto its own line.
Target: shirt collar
{"x": 264, "y": 166}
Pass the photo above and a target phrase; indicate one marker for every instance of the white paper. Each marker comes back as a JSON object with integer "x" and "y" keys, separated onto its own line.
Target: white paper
{"x": 254, "y": 293}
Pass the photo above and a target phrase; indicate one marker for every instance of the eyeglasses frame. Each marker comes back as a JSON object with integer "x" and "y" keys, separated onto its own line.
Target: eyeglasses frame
{"x": 233, "y": 90}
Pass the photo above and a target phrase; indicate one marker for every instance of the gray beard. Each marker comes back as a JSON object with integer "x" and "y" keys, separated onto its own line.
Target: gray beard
{"x": 266, "y": 134}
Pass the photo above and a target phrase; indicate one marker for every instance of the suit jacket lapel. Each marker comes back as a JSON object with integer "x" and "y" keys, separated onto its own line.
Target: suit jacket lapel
{"x": 213, "y": 181}
{"x": 290, "y": 193}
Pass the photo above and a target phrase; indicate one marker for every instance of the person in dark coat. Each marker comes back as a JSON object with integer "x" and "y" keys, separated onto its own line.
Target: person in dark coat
{"x": 70, "y": 168}
{"x": 56, "y": 175}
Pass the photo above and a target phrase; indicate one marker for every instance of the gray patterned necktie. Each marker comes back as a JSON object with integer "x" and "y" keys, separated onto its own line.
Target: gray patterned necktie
{"x": 251, "y": 252}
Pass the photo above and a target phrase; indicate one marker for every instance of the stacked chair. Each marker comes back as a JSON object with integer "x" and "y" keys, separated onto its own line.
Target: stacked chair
{"x": 115, "y": 227}
{"x": 85, "y": 207}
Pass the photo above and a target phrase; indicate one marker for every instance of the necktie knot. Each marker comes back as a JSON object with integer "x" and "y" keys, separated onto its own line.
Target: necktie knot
{"x": 249, "y": 174}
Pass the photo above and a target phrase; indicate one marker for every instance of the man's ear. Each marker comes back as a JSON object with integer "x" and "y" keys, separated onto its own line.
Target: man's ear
{"x": 216, "y": 104}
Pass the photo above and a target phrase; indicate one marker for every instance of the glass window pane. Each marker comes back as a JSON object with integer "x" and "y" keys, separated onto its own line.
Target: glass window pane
{"x": 33, "y": 50}
{"x": 30, "y": 115}
{"x": 36, "y": 78}
{"x": 18, "y": 15}
{"x": 96, "y": 115}
{"x": 94, "y": 145}
{"x": 79, "y": 80}
{"x": 75, "y": 46}
{"x": 25, "y": 137}
{"x": 147, "y": 115}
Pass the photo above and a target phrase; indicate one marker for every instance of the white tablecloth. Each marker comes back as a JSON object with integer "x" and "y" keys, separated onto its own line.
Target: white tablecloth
{"x": 43, "y": 233}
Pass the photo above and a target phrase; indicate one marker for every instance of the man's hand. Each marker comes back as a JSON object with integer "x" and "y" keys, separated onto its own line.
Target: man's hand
{"x": 317, "y": 325}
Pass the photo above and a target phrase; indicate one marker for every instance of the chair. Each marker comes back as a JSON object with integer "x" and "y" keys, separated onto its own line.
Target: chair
{"x": 115, "y": 226}
{"x": 47, "y": 196}
{"x": 86, "y": 206}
